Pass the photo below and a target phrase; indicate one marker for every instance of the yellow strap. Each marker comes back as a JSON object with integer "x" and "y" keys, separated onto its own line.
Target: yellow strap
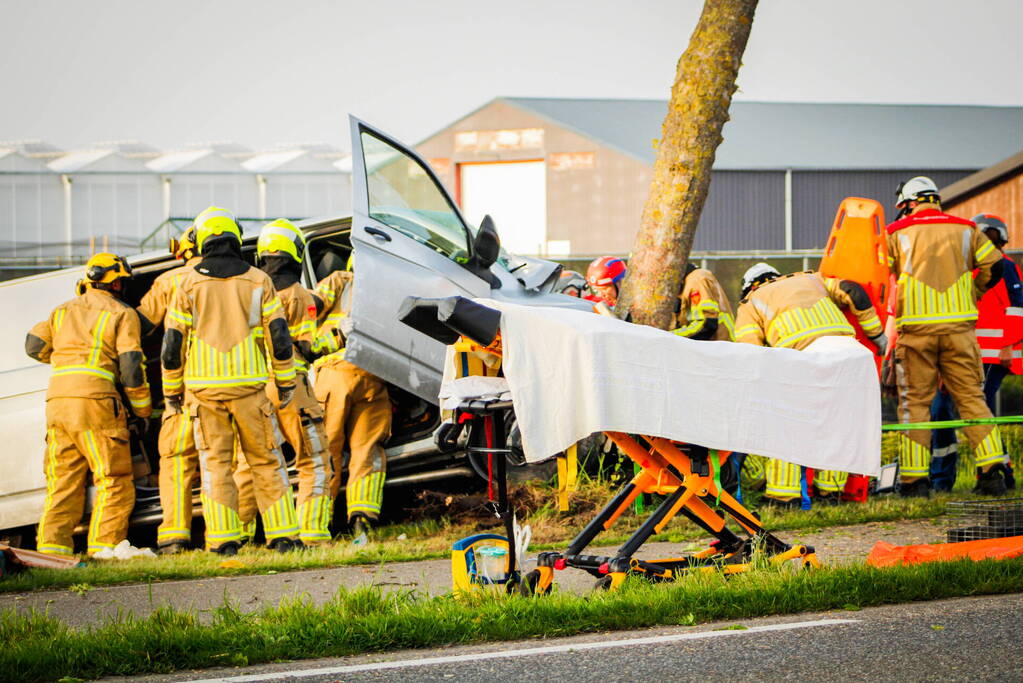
{"x": 568, "y": 468}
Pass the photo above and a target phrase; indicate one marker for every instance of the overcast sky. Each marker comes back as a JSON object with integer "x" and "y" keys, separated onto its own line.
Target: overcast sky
{"x": 259, "y": 73}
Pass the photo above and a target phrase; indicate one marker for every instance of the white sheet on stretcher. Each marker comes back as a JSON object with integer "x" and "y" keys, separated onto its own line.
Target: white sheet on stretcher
{"x": 572, "y": 373}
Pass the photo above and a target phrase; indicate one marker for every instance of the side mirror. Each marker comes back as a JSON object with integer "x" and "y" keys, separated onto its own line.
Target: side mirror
{"x": 487, "y": 246}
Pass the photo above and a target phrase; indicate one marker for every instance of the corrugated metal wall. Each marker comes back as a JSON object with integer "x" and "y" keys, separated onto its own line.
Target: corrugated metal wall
{"x": 112, "y": 211}
{"x": 745, "y": 210}
{"x": 308, "y": 195}
{"x": 31, "y": 216}
{"x": 816, "y": 195}
{"x": 191, "y": 193}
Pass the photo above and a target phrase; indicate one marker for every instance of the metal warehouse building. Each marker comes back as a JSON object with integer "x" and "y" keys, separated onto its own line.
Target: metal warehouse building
{"x": 569, "y": 177}
{"x": 58, "y": 207}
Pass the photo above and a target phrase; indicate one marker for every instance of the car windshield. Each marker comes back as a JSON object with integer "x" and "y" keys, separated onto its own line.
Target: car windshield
{"x": 404, "y": 196}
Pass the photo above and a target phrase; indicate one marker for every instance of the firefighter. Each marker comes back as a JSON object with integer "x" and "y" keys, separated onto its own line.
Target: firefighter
{"x": 280, "y": 250}
{"x": 703, "y": 309}
{"x": 792, "y": 312}
{"x": 933, "y": 254}
{"x": 356, "y": 405}
{"x": 999, "y": 331}
{"x": 570, "y": 283}
{"x": 93, "y": 343}
{"x": 604, "y": 275}
{"x": 224, "y": 325}
{"x": 178, "y": 457}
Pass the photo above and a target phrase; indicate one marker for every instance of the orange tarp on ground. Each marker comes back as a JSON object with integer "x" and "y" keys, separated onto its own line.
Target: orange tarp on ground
{"x": 887, "y": 555}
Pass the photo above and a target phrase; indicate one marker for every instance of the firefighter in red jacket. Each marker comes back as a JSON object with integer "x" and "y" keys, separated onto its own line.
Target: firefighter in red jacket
{"x": 999, "y": 333}
{"x": 604, "y": 276}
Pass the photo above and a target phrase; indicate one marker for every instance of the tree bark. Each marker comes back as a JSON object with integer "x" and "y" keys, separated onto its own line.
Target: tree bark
{"x": 700, "y": 98}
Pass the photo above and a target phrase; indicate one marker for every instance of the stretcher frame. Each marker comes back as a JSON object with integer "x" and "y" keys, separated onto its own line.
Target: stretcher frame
{"x": 685, "y": 473}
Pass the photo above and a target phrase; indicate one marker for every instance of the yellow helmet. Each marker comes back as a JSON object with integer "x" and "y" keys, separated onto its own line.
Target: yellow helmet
{"x": 104, "y": 268}
{"x": 281, "y": 236}
{"x": 214, "y": 222}
{"x": 183, "y": 247}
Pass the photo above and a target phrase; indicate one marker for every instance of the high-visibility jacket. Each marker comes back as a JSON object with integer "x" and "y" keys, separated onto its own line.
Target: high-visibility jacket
{"x": 300, "y": 312}
{"x": 702, "y": 298}
{"x": 794, "y": 310}
{"x": 93, "y": 342}
{"x": 1000, "y": 318}
{"x": 154, "y": 305}
{"x": 335, "y": 292}
{"x": 932, "y": 255}
{"x": 216, "y": 343}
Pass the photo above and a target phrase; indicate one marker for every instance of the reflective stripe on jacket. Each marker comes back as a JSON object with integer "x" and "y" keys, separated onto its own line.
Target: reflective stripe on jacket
{"x": 794, "y": 310}
{"x": 702, "y": 298}
{"x": 229, "y": 332}
{"x": 932, "y": 255}
{"x": 157, "y": 300}
{"x": 336, "y": 294}
{"x": 300, "y": 312}
{"x": 1000, "y": 318}
{"x": 93, "y": 343}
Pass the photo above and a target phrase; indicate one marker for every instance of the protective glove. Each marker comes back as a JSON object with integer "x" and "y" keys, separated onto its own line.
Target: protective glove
{"x": 346, "y": 325}
{"x": 888, "y": 376}
{"x": 881, "y": 342}
{"x": 172, "y": 403}
{"x": 1005, "y": 357}
{"x": 285, "y": 395}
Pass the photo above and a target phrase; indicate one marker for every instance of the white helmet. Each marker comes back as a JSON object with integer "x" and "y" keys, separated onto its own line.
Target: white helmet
{"x": 756, "y": 274}
{"x": 916, "y": 189}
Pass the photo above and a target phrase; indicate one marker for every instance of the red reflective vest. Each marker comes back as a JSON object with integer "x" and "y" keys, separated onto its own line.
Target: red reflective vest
{"x": 1000, "y": 324}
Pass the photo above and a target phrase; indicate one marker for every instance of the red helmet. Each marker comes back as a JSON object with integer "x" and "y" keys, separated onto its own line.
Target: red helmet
{"x": 604, "y": 271}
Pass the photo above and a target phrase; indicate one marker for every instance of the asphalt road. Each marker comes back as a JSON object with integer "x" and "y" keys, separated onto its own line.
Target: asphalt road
{"x": 974, "y": 639}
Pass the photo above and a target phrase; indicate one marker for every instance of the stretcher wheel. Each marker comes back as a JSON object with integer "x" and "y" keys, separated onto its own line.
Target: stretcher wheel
{"x": 603, "y": 584}
{"x": 528, "y": 586}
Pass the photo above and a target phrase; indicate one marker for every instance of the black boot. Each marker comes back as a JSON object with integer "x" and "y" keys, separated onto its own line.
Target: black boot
{"x": 921, "y": 488}
{"x": 779, "y": 504}
{"x": 990, "y": 483}
{"x": 229, "y": 548}
{"x": 172, "y": 548}
{"x": 1010, "y": 476}
{"x": 285, "y": 545}
{"x": 359, "y": 524}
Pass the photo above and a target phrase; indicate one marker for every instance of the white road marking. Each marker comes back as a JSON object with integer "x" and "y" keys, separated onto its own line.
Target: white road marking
{"x": 524, "y": 652}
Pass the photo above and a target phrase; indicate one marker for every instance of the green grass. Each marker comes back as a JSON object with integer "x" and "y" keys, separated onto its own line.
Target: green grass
{"x": 37, "y": 647}
{"x": 431, "y": 539}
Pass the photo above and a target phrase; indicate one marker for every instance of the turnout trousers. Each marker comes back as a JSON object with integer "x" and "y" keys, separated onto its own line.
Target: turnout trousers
{"x": 178, "y": 464}
{"x": 784, "y": 480}
{"x": 302, "y": 424}
{"x": 358, "y": 414}
{"x": 86, "y": 435}
{"x": 249, "y": 420}
{"x": 920, "y": 359}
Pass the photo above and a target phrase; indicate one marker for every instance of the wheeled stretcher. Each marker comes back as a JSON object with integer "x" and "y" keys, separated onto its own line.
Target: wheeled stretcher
{"x": 687, "y": 475}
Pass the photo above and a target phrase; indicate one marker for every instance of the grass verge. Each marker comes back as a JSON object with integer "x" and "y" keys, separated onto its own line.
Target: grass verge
{"x": 39, "y": 648}
{"x": 432, "y": 539}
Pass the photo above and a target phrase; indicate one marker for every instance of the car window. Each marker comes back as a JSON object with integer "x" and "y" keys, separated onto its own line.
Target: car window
{"x": 404, "y": 196}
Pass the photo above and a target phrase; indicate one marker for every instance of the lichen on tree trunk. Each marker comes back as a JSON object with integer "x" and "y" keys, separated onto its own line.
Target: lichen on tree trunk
{"x": 698, "y": 110}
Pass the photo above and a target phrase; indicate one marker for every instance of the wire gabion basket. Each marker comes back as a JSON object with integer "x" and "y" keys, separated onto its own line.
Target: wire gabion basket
{"x": 975, "y": 520}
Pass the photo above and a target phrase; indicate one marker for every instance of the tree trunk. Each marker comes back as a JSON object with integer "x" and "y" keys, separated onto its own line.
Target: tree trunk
{"x": 700, "y": 97}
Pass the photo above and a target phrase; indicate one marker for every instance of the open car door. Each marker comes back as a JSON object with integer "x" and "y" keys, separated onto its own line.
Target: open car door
{"x": 410, "y": 240}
